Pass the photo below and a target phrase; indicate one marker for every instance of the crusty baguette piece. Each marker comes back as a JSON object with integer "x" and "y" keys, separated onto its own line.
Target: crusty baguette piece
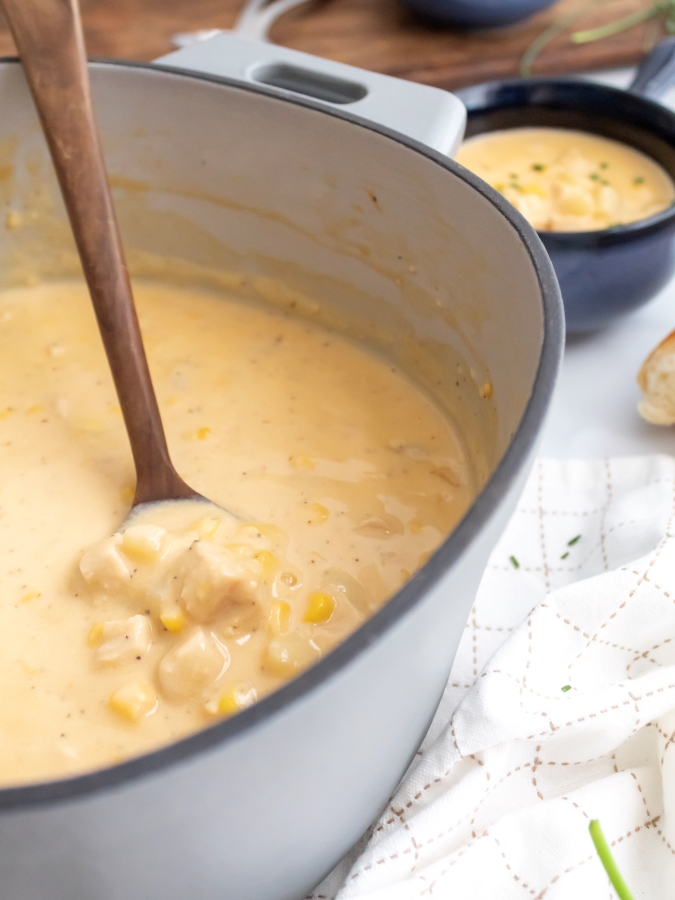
{"x": 657, "y": 380}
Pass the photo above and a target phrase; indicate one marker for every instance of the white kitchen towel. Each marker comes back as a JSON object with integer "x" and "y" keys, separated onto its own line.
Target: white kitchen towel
{"x": 560, "y": 709}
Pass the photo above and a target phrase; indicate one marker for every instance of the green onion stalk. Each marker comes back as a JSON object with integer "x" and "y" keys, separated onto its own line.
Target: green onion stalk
{"x": 664, "y": 8}
{"x": 607, "y": 860}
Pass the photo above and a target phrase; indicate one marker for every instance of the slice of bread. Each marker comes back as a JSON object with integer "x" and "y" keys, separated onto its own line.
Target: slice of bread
{"x": 657, "y": 380}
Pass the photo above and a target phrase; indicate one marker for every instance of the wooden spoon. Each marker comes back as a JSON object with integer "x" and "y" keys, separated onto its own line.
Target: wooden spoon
{"x": 48, "y": 34}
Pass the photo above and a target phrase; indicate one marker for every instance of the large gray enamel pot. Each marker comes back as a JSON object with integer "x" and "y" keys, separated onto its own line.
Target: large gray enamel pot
{"x": 397, "y": 244}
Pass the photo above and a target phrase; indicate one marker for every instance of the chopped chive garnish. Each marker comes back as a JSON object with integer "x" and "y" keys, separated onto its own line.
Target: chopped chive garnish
{"x": 603, "y": 165}
{"x": 639, "y": 180}
{"x": 594, "y": 176}
{"x": 565, "y": 688}
{"x": 607, "y": 861}
{"x": 514, "y": 562}
{"x": 565, "y": 555}
{"x": 575, "y": 540}
{"x": 539, "y": 167}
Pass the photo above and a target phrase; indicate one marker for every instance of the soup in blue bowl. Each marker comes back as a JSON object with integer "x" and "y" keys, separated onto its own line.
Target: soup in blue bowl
{"x": 608, "y": 271}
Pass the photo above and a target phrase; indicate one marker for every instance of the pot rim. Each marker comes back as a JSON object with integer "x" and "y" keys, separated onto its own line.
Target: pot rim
{"x": 506, "y": 471}
{"x": 485, "y": 102}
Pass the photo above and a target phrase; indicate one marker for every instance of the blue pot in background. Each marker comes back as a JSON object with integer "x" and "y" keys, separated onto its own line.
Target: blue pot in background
{"x": 605, "y": 274}
{"x": 477, "y": 13}
{"x": 602, "y": 274}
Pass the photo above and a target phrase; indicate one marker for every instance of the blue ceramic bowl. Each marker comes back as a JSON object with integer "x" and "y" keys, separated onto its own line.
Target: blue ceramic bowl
{"x": 477, "y": 13}
{"x": 602, "y": 274}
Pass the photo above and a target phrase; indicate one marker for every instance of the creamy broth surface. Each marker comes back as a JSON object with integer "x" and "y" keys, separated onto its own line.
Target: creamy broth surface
{"x": 116, "y": 636}
{"x": 565, "y": 180}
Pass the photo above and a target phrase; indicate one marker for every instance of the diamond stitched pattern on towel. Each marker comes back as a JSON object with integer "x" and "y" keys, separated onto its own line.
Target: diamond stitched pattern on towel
{"x": 565, "y": 680}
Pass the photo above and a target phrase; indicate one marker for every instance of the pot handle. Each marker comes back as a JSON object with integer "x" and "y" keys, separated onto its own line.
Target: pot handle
{"x": 429, "y": 115}
{"x": 656, "y": 72}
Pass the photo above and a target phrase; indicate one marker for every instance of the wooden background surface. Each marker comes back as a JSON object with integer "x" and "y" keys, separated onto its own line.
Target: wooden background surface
{"x": 375, "y": 34}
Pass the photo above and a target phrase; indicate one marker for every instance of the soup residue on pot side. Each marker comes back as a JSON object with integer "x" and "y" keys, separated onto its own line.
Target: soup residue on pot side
{"x": 118, "y": 637}
{"x": 566, "y": 180}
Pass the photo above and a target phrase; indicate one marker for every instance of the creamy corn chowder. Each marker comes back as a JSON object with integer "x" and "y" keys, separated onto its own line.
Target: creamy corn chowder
{"x": 337, "y": 478}
{"x": 565, "y": 180}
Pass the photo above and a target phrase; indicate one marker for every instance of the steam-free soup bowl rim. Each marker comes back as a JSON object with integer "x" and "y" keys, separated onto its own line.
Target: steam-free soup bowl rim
{"x": 262, "y": 805}
{"x": 602, "y": 274}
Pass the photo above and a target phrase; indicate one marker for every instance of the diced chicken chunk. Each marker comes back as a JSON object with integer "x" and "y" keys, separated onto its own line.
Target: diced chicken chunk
{"x": 124, "y": 640}
{"x": 239, "y": 616}
{"x": 212, "y": 580}
{"x": 192, "y": 665}
{"x": 103, "y": 566}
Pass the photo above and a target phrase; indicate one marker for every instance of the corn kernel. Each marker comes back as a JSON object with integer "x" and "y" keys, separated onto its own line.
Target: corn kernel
{"x": 238, "y": 550}
{"x": 227, "y": 704}
{"x": 133, "y": 701}
{"x": 415, "y": 526}
{"x": 7, "y": 412}
{"x": 91, "y": 425}
{"x": 273, "y": 532}
{"x": 200, "y": 434}
{"x": 320, "y": 607}
{"x": 95, "y": 634}
{"x": 35, "y": 410}
{"x": 534, "y": 188}
{"x": 237, "y": 698}
{"x": 142, "y": 543}
{"x": 31, "y": 595}
{"x": 301, "y": 462}
{"x": 258, "y": 530}
{"x": 127, "y": 494}
{"x": 279, "y": 618}
{"x": 13, "y": 219}
{"x": 269, "y": 564}
{"x": 207, "y": 526}
{"x": 173, "y": 621}
{"x": 486, "y": 390}
{"x": 318, "y": 514}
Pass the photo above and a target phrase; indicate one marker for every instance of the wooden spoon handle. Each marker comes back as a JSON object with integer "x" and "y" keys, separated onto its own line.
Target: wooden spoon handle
{"x": 48, "y": 34}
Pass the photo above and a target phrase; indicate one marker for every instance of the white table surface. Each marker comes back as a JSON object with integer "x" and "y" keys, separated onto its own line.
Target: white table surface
{"x": 594, "y": 410}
